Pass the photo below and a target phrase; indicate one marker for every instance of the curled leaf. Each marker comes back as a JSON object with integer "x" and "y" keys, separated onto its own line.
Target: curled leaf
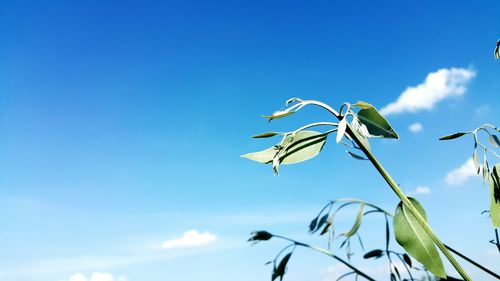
{"x": 357, "y": 222}
{"x": 341, "y": 129}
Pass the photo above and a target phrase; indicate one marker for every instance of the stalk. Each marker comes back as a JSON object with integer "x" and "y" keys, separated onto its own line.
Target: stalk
{"x": 328, "y": 253}
{"x": 394, "y": 186}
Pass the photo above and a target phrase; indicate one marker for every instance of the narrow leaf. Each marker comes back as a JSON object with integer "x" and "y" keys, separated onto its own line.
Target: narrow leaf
{"x": 355, "y": 156}
{"x": 341, "y": 129}
{"x": 326, "y": 228}
{"x": 312, "y": 225}
{"x": 357, "y": 222}
{"x": 376, "y": 124}
{"x": 280, "y": 270}
{"x": 495, "y": 142}
{"x": 495, "y": 196}
{"x": 374, "y": 254}
{"x": 475, "y": 159}
{"x": 278, "y": 114}
{"x": 265, "y": 135}
{"x": 452, "y": 136}
{"x": 413, "y": 238}
{"x": 321, "y": 222}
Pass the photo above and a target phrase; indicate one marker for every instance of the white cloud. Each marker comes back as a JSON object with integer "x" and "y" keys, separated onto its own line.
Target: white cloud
{"x": 420, "y": 190}
{"x": 415, "y": 127}
{"x": 461, "y": 174}
{"x": 437, "y": 86}
{"x": 100, "y": 276}
{"x": 190, "y": 239}
{"x": 96, "y": 276}
{"x": 78, "y": 277}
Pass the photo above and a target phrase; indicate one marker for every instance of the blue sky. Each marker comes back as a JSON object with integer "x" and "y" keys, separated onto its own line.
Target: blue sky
{"x": 122, "y": 123}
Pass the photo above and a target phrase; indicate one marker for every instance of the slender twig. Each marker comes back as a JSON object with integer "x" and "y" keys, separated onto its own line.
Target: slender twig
{"x": 498, "y": 241}
{"x": 473, "y": 262}
{"x": 328, "y": 253}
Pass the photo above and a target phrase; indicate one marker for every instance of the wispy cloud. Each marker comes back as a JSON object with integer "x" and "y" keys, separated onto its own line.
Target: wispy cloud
{"x": 420, "y": 190}
{"x": 439, "y": 85}
{"x": 190, "y": 239}
{"x": 415, "y": 127}
{"x": 461, "y": 174}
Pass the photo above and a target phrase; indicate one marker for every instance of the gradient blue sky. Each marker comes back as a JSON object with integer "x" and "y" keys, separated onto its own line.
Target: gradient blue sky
{"x": 122, "y": 122}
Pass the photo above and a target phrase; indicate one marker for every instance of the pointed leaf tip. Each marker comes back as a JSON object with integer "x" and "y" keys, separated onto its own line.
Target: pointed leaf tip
{"x": 452, "y": 136}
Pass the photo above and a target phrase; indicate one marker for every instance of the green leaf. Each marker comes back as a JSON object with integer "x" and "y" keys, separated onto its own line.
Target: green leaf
{"x": 495, "y": 196}
{"x": 304, "y": 146}
{"x": 374, "y": 254}
{"x": 376, "y": 124}
{"x": 265, "y": 135}
{"x": 452, "y": 136}
{"x": 357, "y": 222}
{"x": 264, "y": 156}
{"x": 494, "y": 141}
{"x": 413, "y": 238}
{"x": 280, "y": 270}
{"x": 301, "y": 147}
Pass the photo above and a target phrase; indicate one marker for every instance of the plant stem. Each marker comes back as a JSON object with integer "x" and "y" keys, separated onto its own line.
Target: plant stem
{"x": 394, "y": 186}
{"x": 328, "y": 253}
{"x": 473, "y": 262}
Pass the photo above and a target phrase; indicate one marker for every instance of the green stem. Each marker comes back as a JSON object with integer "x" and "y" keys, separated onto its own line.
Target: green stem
{"x": 328, "y": 253}
{"x": 394, "y": 186}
